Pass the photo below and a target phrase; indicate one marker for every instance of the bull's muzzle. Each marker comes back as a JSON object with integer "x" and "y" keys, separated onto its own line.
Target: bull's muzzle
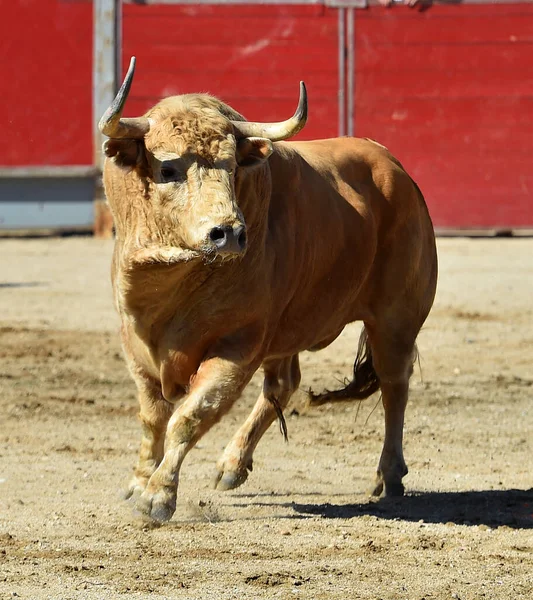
{"x": 228, "y": 240}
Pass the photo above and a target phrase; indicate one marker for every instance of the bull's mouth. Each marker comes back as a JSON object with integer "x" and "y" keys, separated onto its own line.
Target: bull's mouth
{"x": 162, "y": 255}
{"x": 171, "y": 255}
{"x": 220, "y": 246}
{"x": 211, "y": 254}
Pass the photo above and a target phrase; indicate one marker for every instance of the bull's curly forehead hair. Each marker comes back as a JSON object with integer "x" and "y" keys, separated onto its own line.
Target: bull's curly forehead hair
{"x": 193, "y": 123}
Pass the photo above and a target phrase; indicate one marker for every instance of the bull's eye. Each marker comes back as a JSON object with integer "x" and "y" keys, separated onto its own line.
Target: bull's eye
{"x": 168, "y": 174}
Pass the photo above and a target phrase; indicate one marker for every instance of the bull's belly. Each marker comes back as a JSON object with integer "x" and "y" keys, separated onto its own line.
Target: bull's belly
{"x": 309, "y": 333}
{"x": 287, "y": 345}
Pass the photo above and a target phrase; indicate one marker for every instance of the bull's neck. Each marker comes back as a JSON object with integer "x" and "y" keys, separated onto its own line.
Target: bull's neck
{"x": 253, "y": 189}
{"x": 151, "y": 284}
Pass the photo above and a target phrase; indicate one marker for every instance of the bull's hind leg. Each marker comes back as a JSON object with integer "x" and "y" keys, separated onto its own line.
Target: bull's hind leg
{"x": 154, "y": 415}
{"x": 393, "y": 354}
{"x": 282, "y": 378}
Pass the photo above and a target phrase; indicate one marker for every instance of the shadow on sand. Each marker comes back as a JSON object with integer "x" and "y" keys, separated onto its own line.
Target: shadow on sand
{"x": 494, "y": 508}
{"x": 21, "y": 284}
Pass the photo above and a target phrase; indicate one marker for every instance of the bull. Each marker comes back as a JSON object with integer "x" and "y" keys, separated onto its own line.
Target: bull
{"x": 237, "y": 251}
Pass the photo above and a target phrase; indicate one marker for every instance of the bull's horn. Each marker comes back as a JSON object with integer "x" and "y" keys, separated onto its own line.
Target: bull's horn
{"x": 112, "y": 125}
{"x": 276, "y": 131}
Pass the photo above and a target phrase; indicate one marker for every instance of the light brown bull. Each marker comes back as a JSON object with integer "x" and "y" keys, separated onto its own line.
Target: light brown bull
{"x": 234, "y": 253}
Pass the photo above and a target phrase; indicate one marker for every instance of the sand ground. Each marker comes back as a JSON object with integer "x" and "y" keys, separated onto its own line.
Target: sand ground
{"x": 302, "y": 525}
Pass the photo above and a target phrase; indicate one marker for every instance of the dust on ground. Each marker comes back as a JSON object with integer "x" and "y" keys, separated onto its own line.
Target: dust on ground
{"x": 302, "y": 525}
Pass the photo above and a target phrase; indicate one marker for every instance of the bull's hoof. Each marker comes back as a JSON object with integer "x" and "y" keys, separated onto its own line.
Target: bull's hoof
{"x": 387, "y": 490}
{"x": 134, "y": 490}
{"x": 158, "y": 506}
{"x": 377, "y": 489}
{"x": 394, "y": 490}
{"x": 225, "y": 481}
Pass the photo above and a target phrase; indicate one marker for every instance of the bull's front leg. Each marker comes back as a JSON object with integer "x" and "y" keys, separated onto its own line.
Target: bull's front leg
{"x": 282, "y": 378}
{"x": 214, "y": 389}
{"x": 154, "y": 415}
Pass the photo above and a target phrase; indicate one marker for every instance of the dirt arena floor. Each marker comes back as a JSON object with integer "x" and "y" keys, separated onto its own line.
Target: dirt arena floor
{"x": 302, "y": 526}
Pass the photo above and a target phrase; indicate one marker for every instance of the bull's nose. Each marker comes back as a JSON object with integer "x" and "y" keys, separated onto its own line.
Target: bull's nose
{"x": 229, "y": 240}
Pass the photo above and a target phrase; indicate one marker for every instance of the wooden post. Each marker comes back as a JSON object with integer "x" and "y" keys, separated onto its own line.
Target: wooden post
{"x": 106, "y": 69}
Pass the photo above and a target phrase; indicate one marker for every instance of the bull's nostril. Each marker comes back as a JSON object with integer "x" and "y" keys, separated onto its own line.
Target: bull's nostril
{"x": 227, "y": 239}
{"x": 242, "y": 240}
{"x": 217, "y": 234}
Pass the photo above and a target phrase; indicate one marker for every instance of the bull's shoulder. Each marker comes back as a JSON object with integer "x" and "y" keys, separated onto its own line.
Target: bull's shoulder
{"x": 367, "y": 167}
{"x": 367, "y": 151}
{"x": 349, "y": 157}
{"x": 374, "y": 142}
{"x": 337, "y": 151}
{"x": 380, "y": 165}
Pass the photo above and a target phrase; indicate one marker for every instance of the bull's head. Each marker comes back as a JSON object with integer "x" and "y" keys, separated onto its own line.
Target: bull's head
{"x": 188, "y": 150}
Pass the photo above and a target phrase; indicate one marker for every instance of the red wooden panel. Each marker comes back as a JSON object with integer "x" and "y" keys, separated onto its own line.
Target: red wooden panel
{"x": 445, "y": 80}
{"x": 46, "y": 70}
{"x": 252, "y": 57}
{"x": 450, "y": 91}
{"x": 468, "y": 24}
{"x": 513, "y": 57}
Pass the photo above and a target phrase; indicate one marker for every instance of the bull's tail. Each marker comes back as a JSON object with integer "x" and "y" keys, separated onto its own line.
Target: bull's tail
{"x": 365, "y": 379}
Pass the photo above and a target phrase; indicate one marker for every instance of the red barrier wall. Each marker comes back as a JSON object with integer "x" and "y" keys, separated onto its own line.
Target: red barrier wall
{"x": 450, "y": 91}
{"x": 252, "y": 57}
{"x": 46, "y": 74}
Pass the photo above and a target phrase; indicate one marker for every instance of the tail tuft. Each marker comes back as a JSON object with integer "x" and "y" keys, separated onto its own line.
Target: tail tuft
{"x": 364, "y": 383}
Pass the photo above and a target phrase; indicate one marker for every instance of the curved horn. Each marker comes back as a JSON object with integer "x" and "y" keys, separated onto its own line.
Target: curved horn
{"x": 112, "y": 125}
{"x": 276, "y": 131}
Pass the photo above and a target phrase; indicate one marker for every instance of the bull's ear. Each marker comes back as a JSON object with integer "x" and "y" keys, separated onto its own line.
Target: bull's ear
{"x": 252, "y": 151}
{"x": 127, "y": 153}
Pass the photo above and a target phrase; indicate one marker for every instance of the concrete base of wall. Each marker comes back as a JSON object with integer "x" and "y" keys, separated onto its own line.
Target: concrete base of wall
{"x": 47, "y": 202}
